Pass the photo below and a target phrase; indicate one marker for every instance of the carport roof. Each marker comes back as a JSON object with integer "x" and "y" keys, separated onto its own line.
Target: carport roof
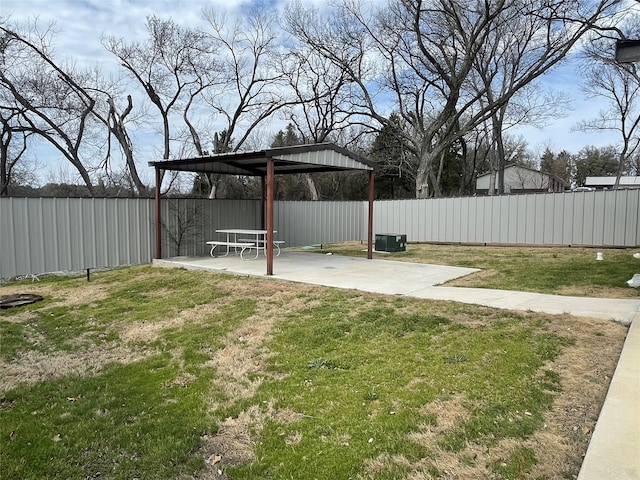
{"x": 317, "y": 157}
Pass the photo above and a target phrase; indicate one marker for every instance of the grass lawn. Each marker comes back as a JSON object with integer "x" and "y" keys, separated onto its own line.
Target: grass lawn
{"x": 557, "y": 270}
{"x": 157, "y": 373}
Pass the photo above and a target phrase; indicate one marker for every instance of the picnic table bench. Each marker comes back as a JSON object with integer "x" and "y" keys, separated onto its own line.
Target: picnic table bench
{"x": 241, "y": 245}
{"x": 260, "y": 244}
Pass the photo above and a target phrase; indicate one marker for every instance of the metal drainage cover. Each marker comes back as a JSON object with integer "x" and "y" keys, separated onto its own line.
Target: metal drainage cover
{"x": 18, "y": 300}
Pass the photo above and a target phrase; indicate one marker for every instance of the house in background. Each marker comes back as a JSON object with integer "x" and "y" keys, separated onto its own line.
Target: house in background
{"x": 607, "y": 183}
{"x": 521, "y": 179}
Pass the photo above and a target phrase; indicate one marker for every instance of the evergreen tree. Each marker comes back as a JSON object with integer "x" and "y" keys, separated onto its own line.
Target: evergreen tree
{"x": 286, "y": 138}
{"x": 559, "y": 165}
{"x": 595, "y": 162}
{"x": 395, "y": 177}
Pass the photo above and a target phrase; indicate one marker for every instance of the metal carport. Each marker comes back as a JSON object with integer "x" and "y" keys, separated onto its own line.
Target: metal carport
{"x": 317, "y": 157}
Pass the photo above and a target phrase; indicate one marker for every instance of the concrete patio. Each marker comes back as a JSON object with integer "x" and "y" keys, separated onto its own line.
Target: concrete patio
{"x": 404, "y": 278}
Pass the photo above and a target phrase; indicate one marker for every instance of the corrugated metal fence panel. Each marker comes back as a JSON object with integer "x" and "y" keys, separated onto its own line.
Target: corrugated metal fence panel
{"x": 632, "y": 222}
{"x": 51, "y": 234}
{"x": 626, "y": 215}
{"x": 301, "y": 223}
{"x": 58, "y": 234}
{"x": 619, "y": 219}
{"x": 552, "y": 222}
{"x": 188, "y": 223}
{"x": 603, "y": 218}
{"x": 567, "y": 217}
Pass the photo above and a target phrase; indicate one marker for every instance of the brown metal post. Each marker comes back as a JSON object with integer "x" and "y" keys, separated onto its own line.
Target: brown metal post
{"x": 158, "y": 254}
{"x": 370, "y": 228}
{"x": 262, "y": 201}
{"x": 269, "y": 245}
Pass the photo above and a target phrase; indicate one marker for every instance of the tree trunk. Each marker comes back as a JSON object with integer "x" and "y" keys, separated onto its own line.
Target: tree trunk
{"x": 5, "y": 140}
{"x": 119, "y": 130}
{"x": 213, "y": 180}
{"x": 499, "y": 150}
{"x": 422, "y": 181}
{"x": 621, "y": 159}
{"x": 4, "y": 177}
{"x": 313, "y": 190}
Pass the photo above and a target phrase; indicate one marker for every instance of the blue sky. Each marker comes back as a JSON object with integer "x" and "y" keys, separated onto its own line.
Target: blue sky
{"x": 82, "y": 23}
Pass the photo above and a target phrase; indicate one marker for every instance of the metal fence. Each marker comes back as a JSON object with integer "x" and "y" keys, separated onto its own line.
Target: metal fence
{"x": 188, "y": 223}
{"x": 603, "y": 218}
{"x": 59, "y": 234}
{"x": 51, "y": 234}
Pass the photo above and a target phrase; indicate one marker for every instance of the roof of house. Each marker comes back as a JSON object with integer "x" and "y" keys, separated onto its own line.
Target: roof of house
{"x": 611, "y": 181}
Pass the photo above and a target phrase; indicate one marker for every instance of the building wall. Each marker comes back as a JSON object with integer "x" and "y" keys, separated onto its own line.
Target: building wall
{"x": 40, "y": 235}
{"x": 521, "y": 180}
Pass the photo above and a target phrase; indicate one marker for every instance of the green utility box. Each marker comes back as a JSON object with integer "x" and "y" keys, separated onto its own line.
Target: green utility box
{"x": 391, "y": 242}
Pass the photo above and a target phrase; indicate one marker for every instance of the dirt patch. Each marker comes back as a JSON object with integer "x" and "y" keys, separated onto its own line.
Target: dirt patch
{"x": 234, "y": 444}
{"x": 183, "y": 380}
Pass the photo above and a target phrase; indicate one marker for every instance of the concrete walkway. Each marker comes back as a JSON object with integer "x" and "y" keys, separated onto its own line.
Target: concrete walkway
{"x": 614, "y": 450}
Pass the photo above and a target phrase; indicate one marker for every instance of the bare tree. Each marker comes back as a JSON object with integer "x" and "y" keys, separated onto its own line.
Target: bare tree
{"x": 50, "y": 106}
{"x": 423, "y": 56}
{"x": 116, "y": 119}
{"x": 166, "y": 66}
{"x": 619, "y": 85}
{"x": 320, "y": 91}
{"x": 62, "y": 103}
{"x": 251, "y": 87}
{"x": 13, "y": 145}
{"x": 186, "y": 221}
{"x": 509, "y": 51}
{"x": 254, "y": 87}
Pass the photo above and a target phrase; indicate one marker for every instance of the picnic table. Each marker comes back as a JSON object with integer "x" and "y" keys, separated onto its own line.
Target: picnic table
{"x": 242, "y": 239}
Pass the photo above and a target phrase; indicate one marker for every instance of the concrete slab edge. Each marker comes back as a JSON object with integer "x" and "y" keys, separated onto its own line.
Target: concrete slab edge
{"x": 614, "y": 449}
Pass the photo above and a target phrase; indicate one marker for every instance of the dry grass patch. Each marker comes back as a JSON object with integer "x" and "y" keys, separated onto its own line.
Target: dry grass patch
{"x": 62, "y": 293}
{"x": 244, "y": 354}
{"x": 32, "y": 367}
{"x": 149, "y": 331}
